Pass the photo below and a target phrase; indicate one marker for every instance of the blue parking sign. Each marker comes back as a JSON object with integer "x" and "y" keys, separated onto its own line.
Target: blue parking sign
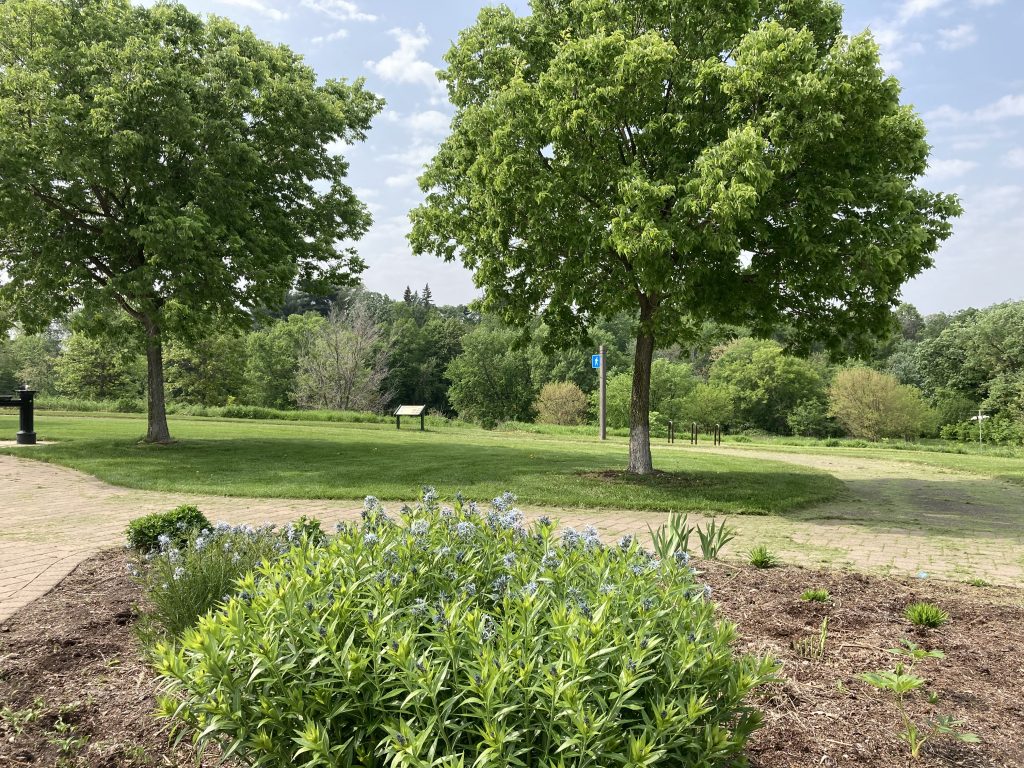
{"x": 595, "y": 361}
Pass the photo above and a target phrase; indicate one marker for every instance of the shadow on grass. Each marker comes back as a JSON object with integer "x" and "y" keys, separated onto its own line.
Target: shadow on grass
{"x": 551, "y": 474}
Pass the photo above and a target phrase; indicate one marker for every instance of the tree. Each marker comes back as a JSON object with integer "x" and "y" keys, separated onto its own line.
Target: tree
{"x": 206, "y": 371}
{"x": 420, "y": 354}
{"x": 178, "y": 168}
{"x": 100, "y": 367}
{"x": 561, "y": 402}
{"x": 810, "y": 418}
{"x": 709, "y": 404}
{"x": 671, "y": 385}
{"x": 272, "y": 359}
{"x": 874, "y": 405}
{"x": 427, "y": 298}
{"x": 491, "y": 378}
{"x": 766, "y": 382}
{"x": 681, "y": 161}
{"x": 29, "y": 360}
{"x": 345, "y": 366}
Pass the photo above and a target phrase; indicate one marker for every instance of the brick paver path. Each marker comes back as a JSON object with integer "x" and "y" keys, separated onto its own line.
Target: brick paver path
{"x": 52, "y": 518}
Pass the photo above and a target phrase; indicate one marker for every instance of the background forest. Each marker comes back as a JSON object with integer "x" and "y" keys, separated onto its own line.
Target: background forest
{"x": 361, "y": 351}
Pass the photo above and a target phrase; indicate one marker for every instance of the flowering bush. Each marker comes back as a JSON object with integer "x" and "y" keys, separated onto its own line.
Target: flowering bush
{"x": 177, "y": 525}
{"x": 458, "y": 637}
{"x": 184, "y": 580}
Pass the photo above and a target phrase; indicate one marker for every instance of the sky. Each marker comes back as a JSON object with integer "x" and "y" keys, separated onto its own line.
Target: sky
{"x": 958, "y": 61}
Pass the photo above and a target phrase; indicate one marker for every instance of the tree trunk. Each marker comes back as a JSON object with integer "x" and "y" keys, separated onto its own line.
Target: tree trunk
{"x": 640, "y": 462}
{"x": 156, "y": 407}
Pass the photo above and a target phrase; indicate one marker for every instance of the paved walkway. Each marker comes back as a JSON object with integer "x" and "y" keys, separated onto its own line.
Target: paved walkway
{"x": 52, "y": 518}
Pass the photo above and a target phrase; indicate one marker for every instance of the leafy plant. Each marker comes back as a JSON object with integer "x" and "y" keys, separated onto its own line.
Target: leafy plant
{"x": 762, "y": 557}
{"x": 813, "y": 647}
{"x": 816, "y": 595}
{"x": 901, "y": 682}
{"x": 461, "y": 636}
{"x": 925, "y": 615}
{"x": 672, "y": 538}
{"x": 182, "y": 584}
{"x": 714, "y": 539}
{"x": 165, "y": 529}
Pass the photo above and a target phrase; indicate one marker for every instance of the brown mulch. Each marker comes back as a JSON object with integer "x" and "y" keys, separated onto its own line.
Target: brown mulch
{"x": 75, "y": 690}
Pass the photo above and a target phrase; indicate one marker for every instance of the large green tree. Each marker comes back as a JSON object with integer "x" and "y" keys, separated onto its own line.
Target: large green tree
{"x": 681, "y": 160}
{"x": 173, "y": 166}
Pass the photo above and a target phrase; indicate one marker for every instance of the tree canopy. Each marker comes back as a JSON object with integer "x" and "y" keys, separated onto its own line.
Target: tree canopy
{"x": 682, "y": 161}
{"x": 173, "y": 166}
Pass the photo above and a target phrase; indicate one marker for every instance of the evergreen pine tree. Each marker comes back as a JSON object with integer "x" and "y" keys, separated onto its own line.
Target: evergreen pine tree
{"x": 409, "y": 297}
{"x": 426, "y": 297}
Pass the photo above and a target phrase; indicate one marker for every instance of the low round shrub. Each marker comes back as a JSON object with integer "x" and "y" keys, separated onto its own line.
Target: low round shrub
{"x": 459, "y": 637}
{"x": 163, "y": 530}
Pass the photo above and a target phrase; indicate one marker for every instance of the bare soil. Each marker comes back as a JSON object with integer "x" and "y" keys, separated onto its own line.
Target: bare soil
{"x": 75, "y": 690}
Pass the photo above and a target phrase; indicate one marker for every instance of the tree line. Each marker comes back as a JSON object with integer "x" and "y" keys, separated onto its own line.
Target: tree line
{"x": 363, "y": 351}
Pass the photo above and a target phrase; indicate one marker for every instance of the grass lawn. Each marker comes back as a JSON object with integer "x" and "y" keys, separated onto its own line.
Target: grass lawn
{"x": 349, "y": 461}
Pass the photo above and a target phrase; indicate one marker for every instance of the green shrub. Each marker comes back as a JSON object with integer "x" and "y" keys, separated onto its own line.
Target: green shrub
{"x": 182, "y": 583}
{"x": 816, "y": 595}
{"x": 177, "y": 525}
{"x": 452, "y": 637}
{"x": 925, "y": 615}
{"x": 740, "y": 439}
{"x": 762, "y": 557}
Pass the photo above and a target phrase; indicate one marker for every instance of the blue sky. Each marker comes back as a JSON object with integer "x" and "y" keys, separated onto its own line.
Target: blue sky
{"x": 959, "y": 62}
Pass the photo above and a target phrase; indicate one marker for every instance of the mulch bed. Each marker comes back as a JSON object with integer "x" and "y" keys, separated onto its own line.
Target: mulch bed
{"x": 75, "y": 691}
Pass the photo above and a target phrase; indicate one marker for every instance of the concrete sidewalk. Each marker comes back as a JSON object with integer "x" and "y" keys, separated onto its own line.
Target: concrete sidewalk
{"x": 53, "y": 518}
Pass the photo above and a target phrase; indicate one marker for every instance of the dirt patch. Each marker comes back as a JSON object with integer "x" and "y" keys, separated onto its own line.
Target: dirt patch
{"x": 74, "y": 690}
{"x": 820, "y": 714}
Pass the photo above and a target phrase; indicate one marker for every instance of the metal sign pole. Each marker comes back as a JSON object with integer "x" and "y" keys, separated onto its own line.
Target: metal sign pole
{"x": 604, "y": 402}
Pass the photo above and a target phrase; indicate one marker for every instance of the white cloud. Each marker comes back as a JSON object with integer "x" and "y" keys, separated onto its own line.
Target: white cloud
{"x": 950, "y": 169}
{"x": 259, "y": 7}
{"x": 342, "y": 10}
{"x": 985, "y": 3}
{"x": 404, "y": 65}
{"x": 428, "y": 123}
{"x": 1007, "y": 107}
{"x": 1015, "y": 157}
{"x": 337, "y": 34}
{"x": 913, "y": 8}
{"x": 957, "y": 37}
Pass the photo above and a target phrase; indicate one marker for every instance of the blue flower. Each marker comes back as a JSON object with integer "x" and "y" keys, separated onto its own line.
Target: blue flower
{"x": 530, "y": 588}
{"x": 420, "y": 528}
{"x": 164, "y": 541}
{"x": 550, "y": 560}
{"x": 370, "y": 502}
{"x": 178, "y": 572}
{"x": 682, "y": 558}
{"x": 465, "y": 530}
{"x": 370, "y": 539}
{"x": 626, "y": 542}
{"x": 509, "y": 559}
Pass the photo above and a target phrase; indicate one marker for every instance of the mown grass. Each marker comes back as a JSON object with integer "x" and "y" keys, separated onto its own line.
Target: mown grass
{"x": 351, "y": 460}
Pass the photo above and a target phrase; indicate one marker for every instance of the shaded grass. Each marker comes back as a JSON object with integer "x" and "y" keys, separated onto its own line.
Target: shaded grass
{"x": 320, "y": 460}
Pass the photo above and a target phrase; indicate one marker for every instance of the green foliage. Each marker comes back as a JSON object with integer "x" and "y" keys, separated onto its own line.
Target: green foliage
{"x": 491, "y": 379}
{"x": 609, "y": 157}
{"x": 902, "y": 682}
{"x": 272, "y": 356}
{"x": 709, "y": 404}
{"x": 767, "y": 384}
{"x": 714, "y": 538}
{"x": 462, "y": 634}
{"x": 210, "y": 370}
{"x": 28, "y": 360}
{"x": 875, "y": 405}
{"x": 810, "y": 418}
{"x": 186, "y": 578}
{"x": 762, "y": 557}
{"x": 671, "y": 386}
{"x": 561, "y": 402}
{"x": 420, "y": 354}
{"x": 100, "y": 368}
{"x": 176, "y": 526}
{"x": 997, "y": 430}
{"x": 925, "y": 615}
{"x": 817, "y": 595}
{"x": 673, "y": 537}
{"x": 203, "y": 190}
